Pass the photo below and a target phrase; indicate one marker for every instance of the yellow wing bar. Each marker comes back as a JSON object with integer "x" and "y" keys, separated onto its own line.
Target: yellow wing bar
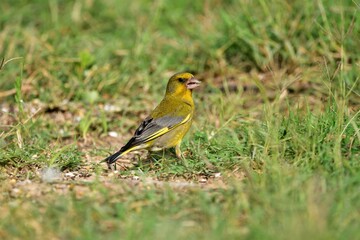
{"x": 167, "y": 129}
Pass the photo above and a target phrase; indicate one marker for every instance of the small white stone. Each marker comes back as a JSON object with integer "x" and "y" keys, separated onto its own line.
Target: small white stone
{"x": 111, "y": 108}
{"x": 203, "y": 180}
{"x": 50, "y": 174}
{"x": 113, "y": 134}
{"x": 70, "y": 174}
{"x": 217, "y": 175}
{"x": 135, "y": 178}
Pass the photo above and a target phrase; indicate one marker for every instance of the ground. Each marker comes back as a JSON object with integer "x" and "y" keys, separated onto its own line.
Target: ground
{"x": 275, "y": 145}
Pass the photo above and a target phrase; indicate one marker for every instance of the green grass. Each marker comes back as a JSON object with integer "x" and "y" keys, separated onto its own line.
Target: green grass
{"x": 278, "y": 116}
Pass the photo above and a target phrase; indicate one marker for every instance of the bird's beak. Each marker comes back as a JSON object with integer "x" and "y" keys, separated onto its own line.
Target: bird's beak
{"x": 192, "y": 83}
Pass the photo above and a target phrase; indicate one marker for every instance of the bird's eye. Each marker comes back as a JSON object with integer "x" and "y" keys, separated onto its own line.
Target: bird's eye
{"x": 182, "y": 80}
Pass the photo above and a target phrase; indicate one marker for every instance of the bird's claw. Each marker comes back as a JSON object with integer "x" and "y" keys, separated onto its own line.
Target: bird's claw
{"x": 111, "y": 166}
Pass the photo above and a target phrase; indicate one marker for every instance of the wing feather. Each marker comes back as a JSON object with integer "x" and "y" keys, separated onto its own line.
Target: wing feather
{"x": 151, "y": 128}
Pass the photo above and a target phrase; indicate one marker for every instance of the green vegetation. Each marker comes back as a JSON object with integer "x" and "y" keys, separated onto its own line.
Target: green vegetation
{"x": 274, "y": 152}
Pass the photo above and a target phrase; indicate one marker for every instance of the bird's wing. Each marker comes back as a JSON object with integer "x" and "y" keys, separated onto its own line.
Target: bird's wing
{"x": 148, "y": 130}
{"x": 152, "y": 128}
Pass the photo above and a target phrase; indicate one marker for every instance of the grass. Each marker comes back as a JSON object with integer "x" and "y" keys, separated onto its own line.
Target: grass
{"x": 274, "y": 150}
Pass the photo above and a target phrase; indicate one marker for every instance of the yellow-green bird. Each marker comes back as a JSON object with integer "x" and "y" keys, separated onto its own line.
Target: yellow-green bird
{"x": 168, "y": 123}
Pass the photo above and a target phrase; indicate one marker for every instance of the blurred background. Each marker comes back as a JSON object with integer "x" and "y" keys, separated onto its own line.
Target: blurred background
{"x": 277, "y": 117}
{"x": 111, "y": 48}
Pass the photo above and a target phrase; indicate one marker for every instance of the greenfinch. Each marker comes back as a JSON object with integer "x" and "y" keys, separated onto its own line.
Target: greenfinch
{"x": 168, "y": 123}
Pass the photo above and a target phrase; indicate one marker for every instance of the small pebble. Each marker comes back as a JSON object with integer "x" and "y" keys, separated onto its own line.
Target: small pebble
{"x": 111, "y": 108}
{"x": 203, "y": 180}
{"x": 70, "y": 174}
{"x": 113, "y": 134}
{"x": 50, "y": 174}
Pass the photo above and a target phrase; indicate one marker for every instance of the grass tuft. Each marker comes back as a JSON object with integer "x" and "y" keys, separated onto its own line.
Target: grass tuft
{"x": 275, "y": 145}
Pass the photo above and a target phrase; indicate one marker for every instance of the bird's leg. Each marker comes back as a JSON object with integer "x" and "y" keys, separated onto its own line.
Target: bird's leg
{"x": 179, "y": 155}
{"x": 178, "y": 151}
{"x": 112, "y": 166}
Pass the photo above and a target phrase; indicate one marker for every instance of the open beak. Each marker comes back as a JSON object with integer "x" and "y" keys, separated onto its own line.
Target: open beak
{"x": 192, "y": 83}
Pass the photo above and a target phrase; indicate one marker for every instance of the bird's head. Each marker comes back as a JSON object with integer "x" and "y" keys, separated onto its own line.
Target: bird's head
{"x": 182, "y": 83}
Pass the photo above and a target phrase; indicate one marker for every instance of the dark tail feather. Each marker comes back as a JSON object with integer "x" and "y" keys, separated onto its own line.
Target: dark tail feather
{"x": 111, "y": 159}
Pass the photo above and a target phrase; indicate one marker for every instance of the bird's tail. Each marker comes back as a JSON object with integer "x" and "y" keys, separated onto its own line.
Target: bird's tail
{"x": 113, "y": 158}
{"x": 125, "y": 149}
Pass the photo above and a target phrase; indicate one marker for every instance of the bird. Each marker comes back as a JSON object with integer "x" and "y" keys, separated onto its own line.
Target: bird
{"x": 168, "y": 123}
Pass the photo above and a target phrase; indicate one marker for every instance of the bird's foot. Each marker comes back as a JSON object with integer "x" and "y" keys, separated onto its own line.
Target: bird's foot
{"x": 111, "y": 166}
